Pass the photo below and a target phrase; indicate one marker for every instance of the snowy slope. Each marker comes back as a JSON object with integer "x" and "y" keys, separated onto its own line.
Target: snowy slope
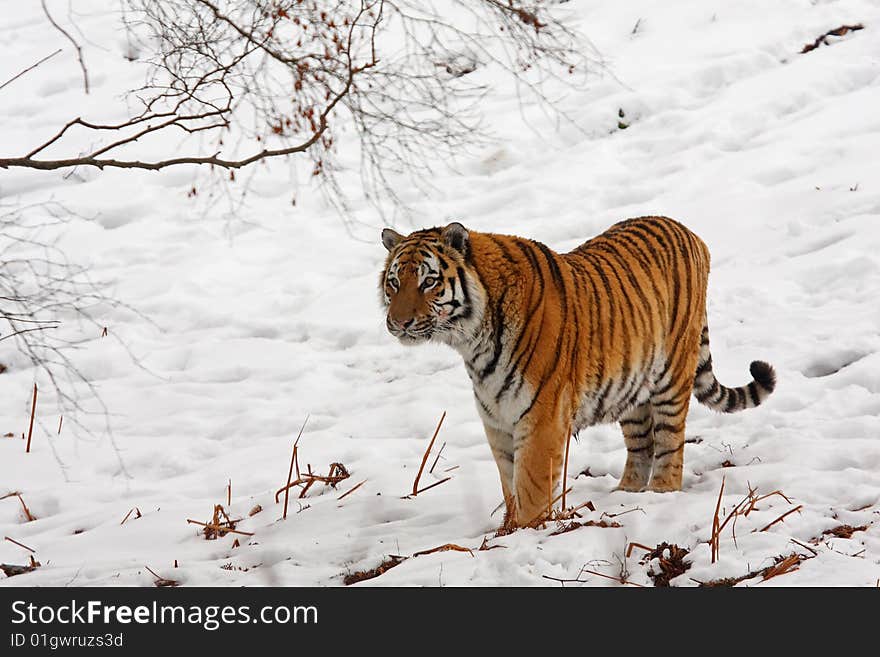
{"x": 769, "y": 155}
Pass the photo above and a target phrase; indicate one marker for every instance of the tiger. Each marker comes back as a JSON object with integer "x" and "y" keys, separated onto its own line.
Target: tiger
{"x": 614, "y": 331}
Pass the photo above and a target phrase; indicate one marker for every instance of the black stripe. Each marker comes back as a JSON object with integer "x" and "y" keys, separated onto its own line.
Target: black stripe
{"x": 660, "y": 455}
{"x": 703, "y": 395}
{"x": 705, "y": 366}
{"x": 642, "y": 434}
{"x": 505, "y": 252}
{"x": 663, "y": 426}
{"x": 663, "y": 390}
{"x": 466, "y": 303}
{"x": 753, "y": 393}
{"x": 732, "y": 401}
{"x": 498, "y": 334}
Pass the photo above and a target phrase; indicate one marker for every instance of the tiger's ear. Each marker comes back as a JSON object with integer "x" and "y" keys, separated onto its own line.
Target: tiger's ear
{"x": 391, "y": 238}
{"x": 456, "y": 236}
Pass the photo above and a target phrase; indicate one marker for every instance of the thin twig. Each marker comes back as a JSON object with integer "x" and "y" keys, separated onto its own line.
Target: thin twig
{"x": 290, "y": 471}
{"x": 806, "y": 547}
{"x": 29, "y": 68}
{"x": 415, "y": 487}
{"x": 133, "y": 509}
{"x": 351, "y": 490}
{"x": 436, "y": 483}
{"x": 715, "y": 529}
{"x": 780, "y": 518}
{"x": 434, "y": 464}
{"x": 629, "y": 549}
{"x": 27, "y": 511}
{"x": 31, "y": 428}
{"x": 12, "y": 540}
{"x": 565, "y": 469}
{"x": 79, "y": 54}
{"x": 445, "y": 548}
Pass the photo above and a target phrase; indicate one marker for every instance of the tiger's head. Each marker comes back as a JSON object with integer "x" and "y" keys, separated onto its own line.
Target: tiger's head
{"x": 429, "y": 287}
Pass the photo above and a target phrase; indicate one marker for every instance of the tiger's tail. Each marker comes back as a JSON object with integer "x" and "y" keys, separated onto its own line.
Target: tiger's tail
{"x": 711, "y": 393}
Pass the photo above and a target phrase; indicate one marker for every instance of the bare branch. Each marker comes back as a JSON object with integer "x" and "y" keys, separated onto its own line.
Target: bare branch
{"x": 263, "y": 79}
{"x": 79, "y": 54}
{"x": 29, "y": 68}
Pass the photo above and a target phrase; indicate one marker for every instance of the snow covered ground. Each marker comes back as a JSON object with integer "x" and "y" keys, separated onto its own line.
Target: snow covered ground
{"x": 768, "y": 154}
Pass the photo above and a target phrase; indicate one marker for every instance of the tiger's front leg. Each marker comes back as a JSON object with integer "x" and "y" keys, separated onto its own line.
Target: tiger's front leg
{"x": 537, "y": 468}
{"x": 502, "y": 449}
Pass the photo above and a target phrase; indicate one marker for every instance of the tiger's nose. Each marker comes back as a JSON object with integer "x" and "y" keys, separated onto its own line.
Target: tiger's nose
{"x": 400, "y": 325}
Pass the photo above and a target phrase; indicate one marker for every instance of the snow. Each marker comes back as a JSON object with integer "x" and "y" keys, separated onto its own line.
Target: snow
{"x": 260, "y": 321}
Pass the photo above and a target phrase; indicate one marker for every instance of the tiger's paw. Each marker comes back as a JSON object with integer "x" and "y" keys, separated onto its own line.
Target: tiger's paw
{"x": 629, "y": 488}
{"x": 663, "y": 487}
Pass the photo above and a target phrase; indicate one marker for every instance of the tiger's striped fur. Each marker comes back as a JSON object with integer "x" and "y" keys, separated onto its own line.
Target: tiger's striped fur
{"x": 615, "y": 330}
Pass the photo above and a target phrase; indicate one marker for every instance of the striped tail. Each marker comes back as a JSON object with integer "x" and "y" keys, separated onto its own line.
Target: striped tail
{"x": 729, "y": 400}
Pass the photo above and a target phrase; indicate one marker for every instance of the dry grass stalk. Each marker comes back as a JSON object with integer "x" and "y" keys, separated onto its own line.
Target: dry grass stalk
{"x": 351, "y": 490}
{"x": 571, "y": 526}
{"x": 759, "y": 498}
{"x": 436, "y": 483}
{"x": 622, "y": 580}
{"x": 715, "y": 525}
{"x": 577, "y": 579}
{"x": 445, "y": 548}
{"x": 782, "y": 517}
{"x": 338, "y": 473}
{"x": 605, "y": 514}
{"x": 31, "y": 428}
{"x": 60, "y": 422}
{"x": 641, "y": 546}
{"x": 229, "y": 494}
{"x": 415, "y": 488}
{"x": 134, "y": 509}
{"x": 454, "y": 467}
{"x": 27, "y": 512}
{"x": 806, "y": 547}
{"x": 742, "y": 508}
{"x": 485, "y": 545}
{"x": 213, "y": 531}
{"x": 434, "y": 464}
{"x": 12, "y": 540}
{"x": 219, "y": 526}
{"x": 783, "y": 565}
{"x": 553, "y": 515}
{"x": 550, "y": 515}
{"x": 255, "y": 511}
{"x": 565, "y": 470}
{"x": 362, "y": 575}
{"x": 290, "y": 472}
{"x": 162, "y": 582}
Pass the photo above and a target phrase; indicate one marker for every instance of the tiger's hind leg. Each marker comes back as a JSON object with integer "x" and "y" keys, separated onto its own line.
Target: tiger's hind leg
{"x": 638, "y": 434}
{"x": 670, "y": 406}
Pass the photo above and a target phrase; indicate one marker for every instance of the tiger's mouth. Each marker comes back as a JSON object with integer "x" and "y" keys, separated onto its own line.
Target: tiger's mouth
{"x": 418, "y": 332}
